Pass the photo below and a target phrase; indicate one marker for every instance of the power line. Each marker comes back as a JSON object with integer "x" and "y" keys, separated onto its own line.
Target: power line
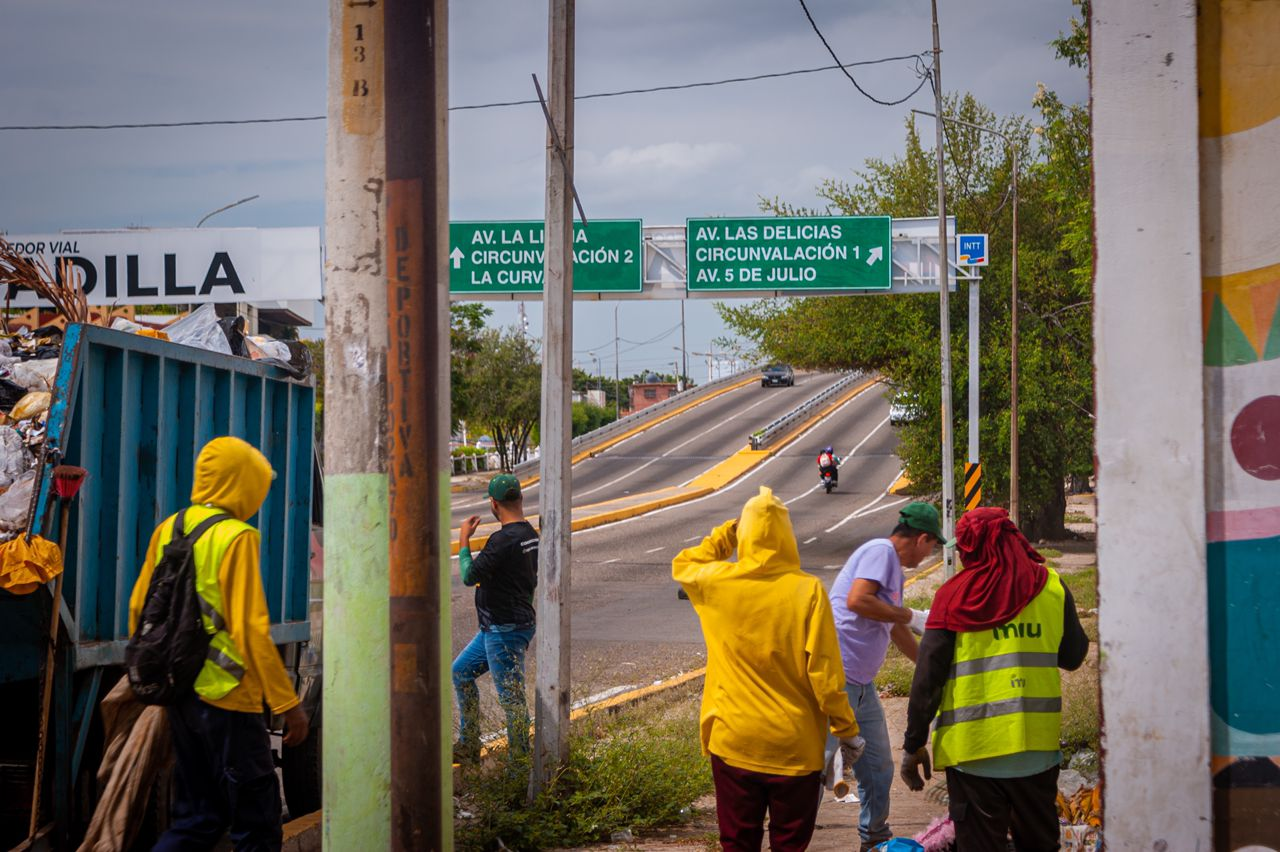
{"x": 493, "y": 105}
{"x": 844, "y": 67}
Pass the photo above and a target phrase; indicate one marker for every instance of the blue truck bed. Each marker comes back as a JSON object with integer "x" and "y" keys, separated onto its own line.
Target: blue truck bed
{"x": 135, "y": 412}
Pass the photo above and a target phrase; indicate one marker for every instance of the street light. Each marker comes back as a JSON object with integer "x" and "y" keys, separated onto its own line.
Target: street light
{"x": 681, "y": 372}
{"x": 597, "y": 363}
{"x": 1013, "y": 308}
{"x": 213, "y": 213}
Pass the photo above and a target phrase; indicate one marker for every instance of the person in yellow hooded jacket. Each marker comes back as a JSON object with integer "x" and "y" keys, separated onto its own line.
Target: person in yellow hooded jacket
{"x": 224, "y": 775}
{"x": 775, "y": 682}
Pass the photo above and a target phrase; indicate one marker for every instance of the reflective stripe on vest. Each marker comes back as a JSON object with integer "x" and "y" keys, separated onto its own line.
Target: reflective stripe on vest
{"x": 224, "y": 665}
{"x": 1004, "y": 693}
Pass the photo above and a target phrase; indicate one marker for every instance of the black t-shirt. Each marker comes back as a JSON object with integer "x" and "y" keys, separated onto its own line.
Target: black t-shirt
{"x": 506, "y": 571}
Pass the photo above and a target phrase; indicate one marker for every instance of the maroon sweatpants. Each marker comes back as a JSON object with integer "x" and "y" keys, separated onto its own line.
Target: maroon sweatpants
{"x": 743, "y": 797}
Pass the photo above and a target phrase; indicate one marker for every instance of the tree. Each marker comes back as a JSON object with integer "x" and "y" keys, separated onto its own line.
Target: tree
{"x": 504, "y": 388}
{"x": 898, "y": 336}
{"x": 466, "y": 322}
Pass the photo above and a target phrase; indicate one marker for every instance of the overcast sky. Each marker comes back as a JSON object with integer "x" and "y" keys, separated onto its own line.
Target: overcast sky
{"x": 659, "y": 157}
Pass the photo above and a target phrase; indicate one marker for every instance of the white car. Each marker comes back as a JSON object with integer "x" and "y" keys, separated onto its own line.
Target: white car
{"x": 903, "y": 408}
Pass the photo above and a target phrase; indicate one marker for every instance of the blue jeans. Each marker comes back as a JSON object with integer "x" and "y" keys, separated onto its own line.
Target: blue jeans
{"x": 874, "y": 770}
{"x": 499, "y": 649}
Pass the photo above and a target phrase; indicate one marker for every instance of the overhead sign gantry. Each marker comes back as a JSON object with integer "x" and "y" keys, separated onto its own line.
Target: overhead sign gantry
{"x": 764, "y": 256}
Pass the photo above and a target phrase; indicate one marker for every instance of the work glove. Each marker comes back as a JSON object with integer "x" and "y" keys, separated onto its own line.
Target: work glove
{"x": 918, "y": 618}
{"x": 912, "y": 762}
{"x": 851, "y": 748}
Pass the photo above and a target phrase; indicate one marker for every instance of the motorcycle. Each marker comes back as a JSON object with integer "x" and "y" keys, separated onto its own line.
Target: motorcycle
{"x": 828, "y": 480}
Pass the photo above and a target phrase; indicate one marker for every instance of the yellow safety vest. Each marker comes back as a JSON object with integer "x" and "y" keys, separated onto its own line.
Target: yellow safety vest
{"x": 224, "y": 666}
{"x": 1004, "y": 695}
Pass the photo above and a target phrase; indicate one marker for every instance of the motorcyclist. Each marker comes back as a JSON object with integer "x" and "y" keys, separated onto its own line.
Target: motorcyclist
{"x": 828, "y": 461}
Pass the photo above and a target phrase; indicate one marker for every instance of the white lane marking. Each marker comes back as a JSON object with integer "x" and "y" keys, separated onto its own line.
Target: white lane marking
{"x": 484, "y": 500}
{"x": 846, "y": 458}
{"x": 653, "y": 550}
{"x": 857, "y": 513}
{"x": 631, "y": 473}
{"x": 693, "y": 538}
{"x": 611, "y": 561}
{"x": 832, "y": 567}
{"x": 810, "y": 540}
{"x": 731, "y": 486}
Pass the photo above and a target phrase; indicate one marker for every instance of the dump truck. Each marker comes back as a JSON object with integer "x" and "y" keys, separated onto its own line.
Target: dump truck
{"x": 134, "y": 412}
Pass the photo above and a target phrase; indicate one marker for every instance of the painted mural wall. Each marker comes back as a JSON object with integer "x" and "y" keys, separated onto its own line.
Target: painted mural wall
{"x": 1239, "y": 81}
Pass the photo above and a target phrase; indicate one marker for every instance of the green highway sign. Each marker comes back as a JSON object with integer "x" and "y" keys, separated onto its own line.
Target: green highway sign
{"x": 506, "y": 257}
{"x": 789, "y": 253}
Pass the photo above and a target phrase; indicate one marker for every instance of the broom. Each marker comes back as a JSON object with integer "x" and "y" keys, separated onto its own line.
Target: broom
{"x": 67, "y": 480}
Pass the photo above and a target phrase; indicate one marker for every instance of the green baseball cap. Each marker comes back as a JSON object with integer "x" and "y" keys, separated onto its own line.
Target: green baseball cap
{"x": 923, "y": 517}
{"x": 504, "y": 487}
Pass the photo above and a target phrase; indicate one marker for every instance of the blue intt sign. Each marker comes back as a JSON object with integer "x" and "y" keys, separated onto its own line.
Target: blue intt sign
{"x": 971, "y": 249}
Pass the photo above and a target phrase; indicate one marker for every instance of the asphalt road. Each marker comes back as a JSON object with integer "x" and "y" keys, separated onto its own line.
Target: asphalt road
{"x": 628, "y": 627}
{"x": 672, "y": 452}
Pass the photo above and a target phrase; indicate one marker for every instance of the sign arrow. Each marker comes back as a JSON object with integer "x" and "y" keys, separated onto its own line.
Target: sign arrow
{"x": 876, "y": 253}
{"x": 456, "y": 257}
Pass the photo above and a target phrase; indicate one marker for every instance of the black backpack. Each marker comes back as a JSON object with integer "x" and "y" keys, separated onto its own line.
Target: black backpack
{"x": 165, "y": 654}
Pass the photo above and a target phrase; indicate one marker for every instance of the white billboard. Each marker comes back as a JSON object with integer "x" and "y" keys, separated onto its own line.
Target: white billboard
{"x": 181, "y": 266}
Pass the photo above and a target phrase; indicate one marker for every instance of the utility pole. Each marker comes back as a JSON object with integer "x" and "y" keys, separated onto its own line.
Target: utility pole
{"x": 617, "y": 378}
{"x": 944, "y": 274}
{"x": 357, "y": 713}
{"x": 684, "y": 349}
{"x": 551, "y": 697}
{"x": 417, "y": 424}
{"x": 1012, "y": 144}
{"x": 1013, "y": 361}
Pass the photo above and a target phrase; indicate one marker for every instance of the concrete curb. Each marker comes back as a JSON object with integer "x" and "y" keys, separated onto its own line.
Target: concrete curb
{"x": 900, "y": 485}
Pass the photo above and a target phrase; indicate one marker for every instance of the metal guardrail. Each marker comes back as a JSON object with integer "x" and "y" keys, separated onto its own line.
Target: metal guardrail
{"x": 763, "y": 437}
{"x": 629, "y": 422}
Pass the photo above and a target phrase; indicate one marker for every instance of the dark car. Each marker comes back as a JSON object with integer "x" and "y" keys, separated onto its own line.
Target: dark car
{"x": 777, "y": 375}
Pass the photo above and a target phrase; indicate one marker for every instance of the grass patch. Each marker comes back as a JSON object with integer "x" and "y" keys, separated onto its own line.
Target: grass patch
{"x": 894, "y": 678}
{"x": 1049, "y": 552}
{"x": 1084, "y": 587}
{"x": 1081, "y": 728}
{"x": 639, "y": 769}
{"x": 1076, "y": 518}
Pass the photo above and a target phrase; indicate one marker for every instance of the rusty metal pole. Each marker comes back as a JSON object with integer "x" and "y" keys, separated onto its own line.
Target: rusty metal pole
{"x": 417, "y": 218}
{"x": 551, "y": 694}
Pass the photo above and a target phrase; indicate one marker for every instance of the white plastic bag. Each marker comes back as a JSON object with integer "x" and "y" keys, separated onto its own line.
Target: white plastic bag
{"x": 262, "y": 348}
{"x": 34, "y": 375}
{"x": 199, "y": 329}
{"x": 15, "y": 460}
{"x": 16, "y": 503}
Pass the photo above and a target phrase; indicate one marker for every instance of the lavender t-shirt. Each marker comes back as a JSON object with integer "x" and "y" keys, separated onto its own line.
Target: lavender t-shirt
{"x": 863, "y": 642}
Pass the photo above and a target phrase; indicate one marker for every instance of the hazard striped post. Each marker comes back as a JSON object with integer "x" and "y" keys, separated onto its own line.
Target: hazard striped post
{"x": 972, "y": 486}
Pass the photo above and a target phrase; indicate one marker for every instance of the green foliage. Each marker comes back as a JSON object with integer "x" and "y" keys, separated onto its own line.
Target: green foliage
{"x": 638, "y": 770}
{"x": 317, "y": 359}
{"x": 503, "y": 381}
{"x": 898, "y": 336}
{"x": 466, "y": 322}
{"x": 588, "y": 417}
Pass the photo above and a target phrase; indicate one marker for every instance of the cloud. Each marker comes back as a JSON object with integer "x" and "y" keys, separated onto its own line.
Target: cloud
{"x": 663, "y": 158}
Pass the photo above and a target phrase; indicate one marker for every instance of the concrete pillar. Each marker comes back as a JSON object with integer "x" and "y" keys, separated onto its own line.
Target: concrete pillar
{"x": 1153, "y": 619}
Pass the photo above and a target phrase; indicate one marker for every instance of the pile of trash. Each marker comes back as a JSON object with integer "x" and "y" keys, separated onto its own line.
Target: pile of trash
{"x": 28, "y": 370}
{"x": 204, "y": 329}
{"x": 28, "y": 365}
